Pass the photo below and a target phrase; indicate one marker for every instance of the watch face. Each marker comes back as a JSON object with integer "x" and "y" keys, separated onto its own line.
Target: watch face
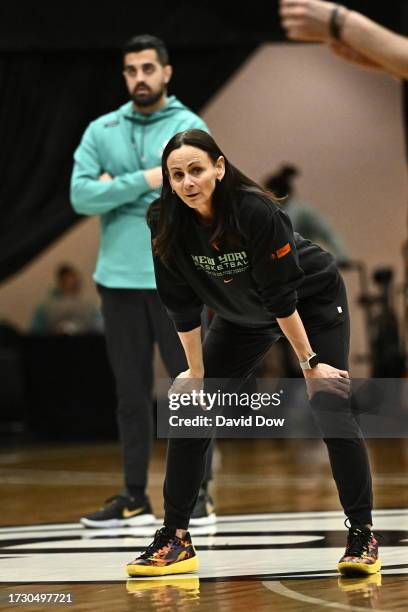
{"x": 313, "y": 361}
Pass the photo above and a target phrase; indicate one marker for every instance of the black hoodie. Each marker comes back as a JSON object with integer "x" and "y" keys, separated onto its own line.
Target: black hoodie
{"x": 271, "y": 273}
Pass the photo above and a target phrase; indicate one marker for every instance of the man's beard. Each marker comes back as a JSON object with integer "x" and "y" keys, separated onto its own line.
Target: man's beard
{"x": 147, "y": 98}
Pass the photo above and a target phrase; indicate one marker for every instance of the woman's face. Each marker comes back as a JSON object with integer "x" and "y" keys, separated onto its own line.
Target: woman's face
{"x": 193, "y": 177}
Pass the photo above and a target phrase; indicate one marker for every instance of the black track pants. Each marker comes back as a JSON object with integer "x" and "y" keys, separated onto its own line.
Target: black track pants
{"x": 231, "y": 351}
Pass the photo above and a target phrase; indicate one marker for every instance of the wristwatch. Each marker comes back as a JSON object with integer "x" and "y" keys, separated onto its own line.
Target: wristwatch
{"x": 310, "y": 363}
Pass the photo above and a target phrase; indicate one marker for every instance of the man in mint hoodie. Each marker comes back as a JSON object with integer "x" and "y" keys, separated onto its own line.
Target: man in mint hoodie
{"x": 117, "y": 174}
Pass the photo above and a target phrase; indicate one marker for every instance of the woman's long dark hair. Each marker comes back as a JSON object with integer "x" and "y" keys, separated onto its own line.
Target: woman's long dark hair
{"x": 172, "y": 214}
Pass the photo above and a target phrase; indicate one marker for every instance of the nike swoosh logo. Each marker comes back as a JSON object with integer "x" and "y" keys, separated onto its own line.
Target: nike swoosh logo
{"x": 228, "y": 281}
{"x": 128, "y": 513}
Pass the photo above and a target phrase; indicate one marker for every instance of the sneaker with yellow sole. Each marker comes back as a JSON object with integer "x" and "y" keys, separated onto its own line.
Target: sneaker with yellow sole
{"x": 167, "y": 554}
{"x": 361, "y": 555}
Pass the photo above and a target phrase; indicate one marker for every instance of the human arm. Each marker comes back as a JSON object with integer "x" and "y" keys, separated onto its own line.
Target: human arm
{"x": 92, "y": 196}
{"x": 192, "y": 345}
{"x": 191, "y": 379}
{"x": 277, "y": 275}
{"x": 274, "y": 260}
{"x": 349, "y": 54}
{"x": 323, "y": 377}
{"x": 182, "y": 304}
{"x": 184, "y": 308}
{"x": 375, "y": 46}
{"x": 153, "y": 176}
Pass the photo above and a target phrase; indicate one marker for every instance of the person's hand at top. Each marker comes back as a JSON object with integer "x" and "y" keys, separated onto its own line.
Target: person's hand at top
{"x": 307, "y": 20}
{"x": 350, "y": 35}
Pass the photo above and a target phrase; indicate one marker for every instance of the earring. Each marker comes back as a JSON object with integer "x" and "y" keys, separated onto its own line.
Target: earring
{"x": 172, "y": 191}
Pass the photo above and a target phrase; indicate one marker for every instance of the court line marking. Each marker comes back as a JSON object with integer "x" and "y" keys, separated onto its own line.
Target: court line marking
{"x": 221, "y": 518}
{"x": 278, "y": 588}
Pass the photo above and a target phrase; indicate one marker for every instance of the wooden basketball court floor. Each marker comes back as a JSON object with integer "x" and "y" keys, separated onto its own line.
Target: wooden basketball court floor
{"x": 274, "y": 547}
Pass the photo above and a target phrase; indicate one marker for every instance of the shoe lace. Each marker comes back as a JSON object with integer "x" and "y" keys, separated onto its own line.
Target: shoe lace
{"x": 358, "y": 540}
{"x": 161, "y": 540}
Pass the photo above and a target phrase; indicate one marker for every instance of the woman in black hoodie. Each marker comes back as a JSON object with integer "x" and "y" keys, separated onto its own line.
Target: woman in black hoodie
{"x": 220, "y": 240}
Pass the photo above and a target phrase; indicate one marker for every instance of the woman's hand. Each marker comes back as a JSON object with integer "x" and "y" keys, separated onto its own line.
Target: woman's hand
{"x": 325, "y": 378}
{"x": 187, "y": 382}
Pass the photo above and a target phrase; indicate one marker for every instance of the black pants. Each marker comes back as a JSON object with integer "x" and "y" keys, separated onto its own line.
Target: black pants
{"x": 134, "y": 320}
{"x": 231, "y": 351}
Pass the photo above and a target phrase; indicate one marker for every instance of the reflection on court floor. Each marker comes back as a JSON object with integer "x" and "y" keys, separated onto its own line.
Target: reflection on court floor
{"x": 256, "y": 546}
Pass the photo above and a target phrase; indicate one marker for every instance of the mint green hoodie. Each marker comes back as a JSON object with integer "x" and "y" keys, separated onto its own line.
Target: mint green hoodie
{"x": 124, "y": 143}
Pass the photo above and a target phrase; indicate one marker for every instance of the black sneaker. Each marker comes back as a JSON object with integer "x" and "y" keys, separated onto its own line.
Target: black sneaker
{"x": 120, "y": 511}
{"x": 167, "y": 554}
{"x": 203, "y": 513}
{"x": 361, "y": 555}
